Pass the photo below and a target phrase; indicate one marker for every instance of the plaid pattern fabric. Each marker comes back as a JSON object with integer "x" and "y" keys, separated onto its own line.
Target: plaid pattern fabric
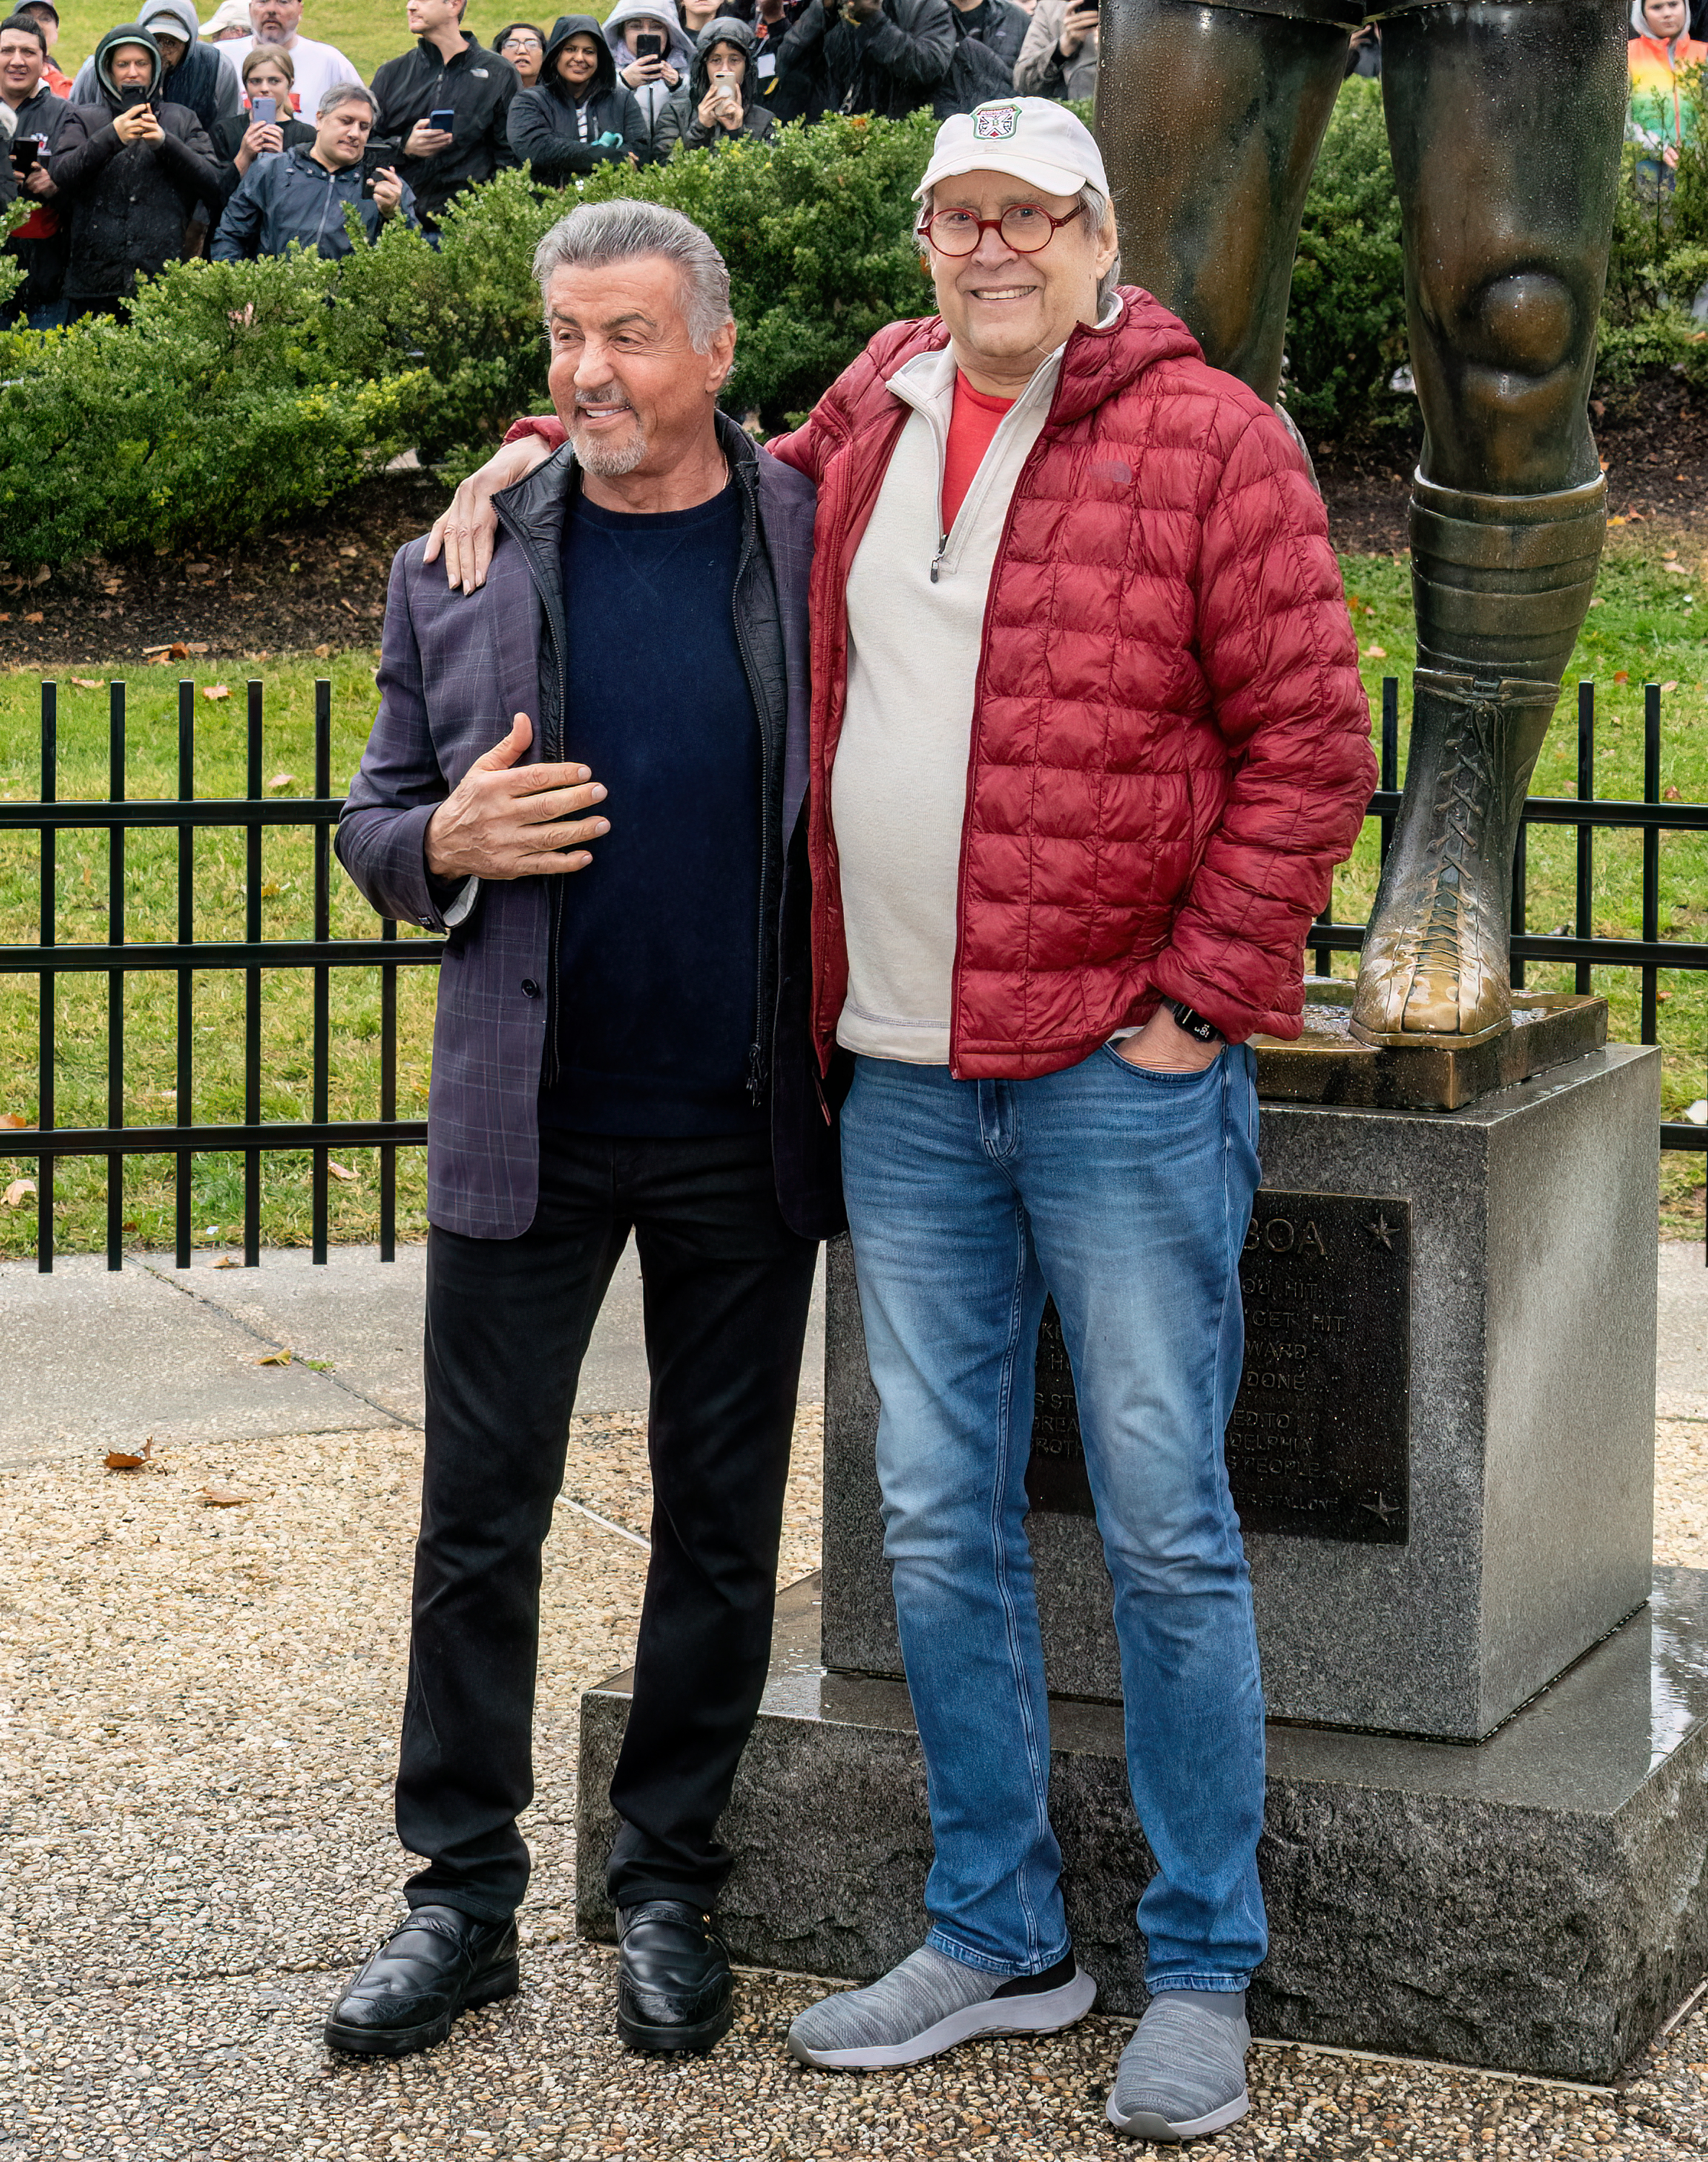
{"x": 455, "y": 669}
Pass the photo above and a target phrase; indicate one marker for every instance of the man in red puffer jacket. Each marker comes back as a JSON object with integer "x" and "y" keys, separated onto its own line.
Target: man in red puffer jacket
{"x": 1088, "y": 740}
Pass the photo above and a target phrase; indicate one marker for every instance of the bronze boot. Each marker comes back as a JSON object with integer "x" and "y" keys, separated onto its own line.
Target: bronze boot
{"x": 1434, "y": 960}
{"x": 1502, "y": 585}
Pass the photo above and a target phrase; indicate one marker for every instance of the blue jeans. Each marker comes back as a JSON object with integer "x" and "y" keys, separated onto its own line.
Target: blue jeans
{"x": 1128, "y": 1194}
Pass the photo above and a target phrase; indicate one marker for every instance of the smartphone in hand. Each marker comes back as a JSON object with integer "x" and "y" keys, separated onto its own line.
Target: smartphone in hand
{"x": 444, "y": 120}
{"x": 264, "y": 112}
{"x": 648, "y": 45}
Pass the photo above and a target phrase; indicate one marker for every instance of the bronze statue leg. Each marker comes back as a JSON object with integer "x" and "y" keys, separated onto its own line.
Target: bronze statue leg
{"x": 1505, "y": 122}
{"x": 1210, "y": 119}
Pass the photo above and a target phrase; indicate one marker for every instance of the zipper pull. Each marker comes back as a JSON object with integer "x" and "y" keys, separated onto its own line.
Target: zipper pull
{"x": 942, "y": 545}
{"x": 755, "y": 1076}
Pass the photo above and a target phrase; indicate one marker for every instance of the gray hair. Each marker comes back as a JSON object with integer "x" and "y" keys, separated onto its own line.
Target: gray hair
{"x": 345, "y": 93}
{"x": 1096, "y": 207}
{"x": 597, "y": 235}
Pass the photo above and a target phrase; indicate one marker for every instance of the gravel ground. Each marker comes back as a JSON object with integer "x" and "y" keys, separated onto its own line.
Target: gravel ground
{"x": 195, "y": 1847}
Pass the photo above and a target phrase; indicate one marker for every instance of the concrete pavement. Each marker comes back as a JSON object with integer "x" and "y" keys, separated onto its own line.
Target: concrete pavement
{"x": 94, "y": 1356}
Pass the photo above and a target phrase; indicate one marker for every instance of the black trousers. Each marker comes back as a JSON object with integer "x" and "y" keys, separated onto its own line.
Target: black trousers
{"x": 726, "y": 1287}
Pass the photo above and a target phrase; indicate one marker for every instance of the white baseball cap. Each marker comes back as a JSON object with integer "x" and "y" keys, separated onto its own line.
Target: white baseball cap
{"x": 1034, "y": 139}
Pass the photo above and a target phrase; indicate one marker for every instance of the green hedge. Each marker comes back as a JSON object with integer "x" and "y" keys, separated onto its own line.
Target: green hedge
{"x": 243, "y": 394}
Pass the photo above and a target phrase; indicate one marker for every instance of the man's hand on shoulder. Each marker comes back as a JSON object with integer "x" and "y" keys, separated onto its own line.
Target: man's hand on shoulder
{"x": 1162, "y": 1046}
{"x": 506, "y": 821}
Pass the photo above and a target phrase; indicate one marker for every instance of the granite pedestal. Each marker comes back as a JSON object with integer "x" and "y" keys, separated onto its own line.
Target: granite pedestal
{"x": 1507, "y": 1523}
{"x": 1536, "y": 1903}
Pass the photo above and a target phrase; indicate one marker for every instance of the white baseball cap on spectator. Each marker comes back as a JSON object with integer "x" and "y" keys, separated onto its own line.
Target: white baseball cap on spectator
{"x": 1034, "y": 139}
{"x": 229, "y": 15}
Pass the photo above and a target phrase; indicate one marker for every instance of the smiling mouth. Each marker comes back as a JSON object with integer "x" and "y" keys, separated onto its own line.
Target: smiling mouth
{"x": 1002, "y": 292}
{"x": 602, "y": 412}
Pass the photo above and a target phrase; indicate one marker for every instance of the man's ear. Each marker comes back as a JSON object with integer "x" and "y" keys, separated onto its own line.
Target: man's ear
{"x": 721, "y": 357}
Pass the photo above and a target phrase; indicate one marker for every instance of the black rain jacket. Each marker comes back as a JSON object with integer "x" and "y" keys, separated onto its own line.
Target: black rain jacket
{"x": 129, "y": 203}
{"x": 41, "y": 258}
{"x": 476, "y": 85}
{"x": 545, "y": 129}
{"x": 891, "y": 66}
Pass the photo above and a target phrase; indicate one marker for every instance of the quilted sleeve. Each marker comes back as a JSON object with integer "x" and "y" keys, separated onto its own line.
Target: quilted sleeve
{"x": 1277, "y": 647}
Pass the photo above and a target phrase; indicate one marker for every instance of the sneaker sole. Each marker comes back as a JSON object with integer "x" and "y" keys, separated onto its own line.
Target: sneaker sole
{"x": 1045, "y": 2014}
{"x": 404, "y": 2041}
{"x": 1146, "y": 2124}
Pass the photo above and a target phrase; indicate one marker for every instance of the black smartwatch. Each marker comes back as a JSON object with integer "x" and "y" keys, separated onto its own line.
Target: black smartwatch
{"x": 1193, "y": 1022}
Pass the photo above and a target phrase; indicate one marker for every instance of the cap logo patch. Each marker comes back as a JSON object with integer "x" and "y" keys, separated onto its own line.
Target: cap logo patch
{"x": 995, "y": 123}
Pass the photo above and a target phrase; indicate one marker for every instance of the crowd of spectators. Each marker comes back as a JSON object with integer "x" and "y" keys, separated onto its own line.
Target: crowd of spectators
{"x": 238, "y": 136}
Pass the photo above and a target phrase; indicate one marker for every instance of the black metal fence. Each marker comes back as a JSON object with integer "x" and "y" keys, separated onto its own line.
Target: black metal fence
{"x": 255, "y": 812}
{"x": 117, "y": 957}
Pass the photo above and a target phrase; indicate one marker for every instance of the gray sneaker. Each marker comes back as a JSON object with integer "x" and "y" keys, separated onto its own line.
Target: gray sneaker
{"x": 1183, "y": 2076}
{"x": 929, "y": 2003}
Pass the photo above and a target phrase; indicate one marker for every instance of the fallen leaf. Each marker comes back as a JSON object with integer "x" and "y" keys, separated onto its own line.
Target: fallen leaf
{"x": 11, "y": 1118}
{"x": 1598, "y": 601}
{"x": 322, "y": 652}
{"x": 217, "y": 691}
{"x": 341, "y": 1171}
{"x": 195, "y": 646}
{"x": 87, "y": 682}
{"x": 1669, "y": 686}
{"x": 281, "y": 780}
{"x": 226, "y": 1261}
{"x": 1669, "y": 794}
{"x": 1375, "y": 652}
{"x": 1677, "y": 570}
{"x": 270, "y": 891}
{"x": 274, "y": 1359}
{"x": 223, "y": 1497}
{"x": 1622, "y": 676}
{"x": 1615, "y": 521}
{"x": 19, "y": 1191}
{"x": 119, "y": 1459}
{"x": 1661, "y": 997}
{"x": 33, "y": 616}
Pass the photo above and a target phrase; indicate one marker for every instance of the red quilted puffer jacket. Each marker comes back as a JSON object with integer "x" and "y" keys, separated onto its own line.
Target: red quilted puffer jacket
{"x": 1171, "y": 746}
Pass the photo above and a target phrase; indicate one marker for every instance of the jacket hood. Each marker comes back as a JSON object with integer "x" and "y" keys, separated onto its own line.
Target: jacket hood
{"x": 723, "y": 30}
{"x": 126, "y": 34}
{"x": 1639, "y": 29}
{"x": 604, "y": 66}
{"x": 682, "y": 45}
{"x": 184, "y": 13}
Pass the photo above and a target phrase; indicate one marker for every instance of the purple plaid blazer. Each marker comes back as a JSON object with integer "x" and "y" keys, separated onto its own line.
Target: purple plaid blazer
{"x": 455, "y": 669}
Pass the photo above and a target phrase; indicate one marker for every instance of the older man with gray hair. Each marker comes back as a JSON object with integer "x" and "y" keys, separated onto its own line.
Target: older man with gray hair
{"x": 615, "y": 844}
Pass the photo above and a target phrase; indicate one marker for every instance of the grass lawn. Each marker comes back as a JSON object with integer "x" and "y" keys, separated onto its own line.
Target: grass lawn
{"x": 1644, "y": 628}
{"x": 365, "y": 31}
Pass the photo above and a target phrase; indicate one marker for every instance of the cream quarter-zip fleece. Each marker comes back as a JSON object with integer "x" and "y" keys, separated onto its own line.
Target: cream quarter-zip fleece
{"x": 898, "y": 789}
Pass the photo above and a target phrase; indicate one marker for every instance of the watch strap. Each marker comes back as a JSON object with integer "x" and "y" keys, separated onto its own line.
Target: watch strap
{"x": 1193, "y": 1022}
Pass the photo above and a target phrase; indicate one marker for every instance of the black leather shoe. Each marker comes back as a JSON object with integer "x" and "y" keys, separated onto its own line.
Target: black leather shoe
{"x": 436, "y": 1964}
{"x": 674, "y": 1987}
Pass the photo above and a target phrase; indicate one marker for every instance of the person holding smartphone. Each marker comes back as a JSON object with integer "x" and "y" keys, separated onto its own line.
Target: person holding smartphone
{"x": 301, "y": 195}
{"x": 1058, "y": 57}
{"x": 268, "y": 122}
{"x": 446, "y": 107}
{"x": 39, "y": 245}
{"x": 721, "y": 100}
{"x": 655, "y": 55}
{"x": 131, "y": 170}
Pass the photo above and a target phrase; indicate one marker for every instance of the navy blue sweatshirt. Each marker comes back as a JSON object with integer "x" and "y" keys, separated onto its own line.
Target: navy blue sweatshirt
{"x": 660, "y": 933}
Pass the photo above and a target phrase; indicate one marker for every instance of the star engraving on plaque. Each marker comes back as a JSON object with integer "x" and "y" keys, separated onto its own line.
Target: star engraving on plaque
{"x": 1382, "y": 1230}
{"x": 1381, "y": 1507}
